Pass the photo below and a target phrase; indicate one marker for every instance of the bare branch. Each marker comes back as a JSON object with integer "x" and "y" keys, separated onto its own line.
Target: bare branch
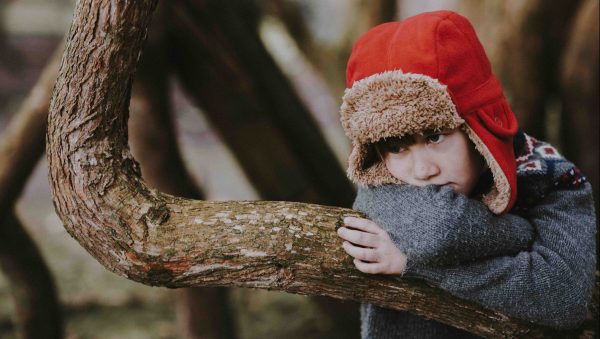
{"x": 158, "y": 239}
{"x": 22, "y": 143}
{"x": 37, "y": 309}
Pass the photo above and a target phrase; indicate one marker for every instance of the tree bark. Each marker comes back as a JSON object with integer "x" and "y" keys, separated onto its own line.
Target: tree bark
{"x": 38, "y": 312}
{"x": 579, "y": 75}
{"x": 201, "y": 312}
{"x": 158, "y": 239}
{"x": 226, "y": 70}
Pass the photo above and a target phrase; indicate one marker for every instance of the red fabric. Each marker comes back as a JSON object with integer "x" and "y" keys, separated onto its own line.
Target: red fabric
{"x": 443, "y": 45}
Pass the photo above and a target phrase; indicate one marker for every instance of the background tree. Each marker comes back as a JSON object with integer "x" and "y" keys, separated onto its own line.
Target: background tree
{"x": 488, "y": 18}
{"x": 149, "y": 236}
{"x": 201, "y": 312}
{"x": 37, "y": 310}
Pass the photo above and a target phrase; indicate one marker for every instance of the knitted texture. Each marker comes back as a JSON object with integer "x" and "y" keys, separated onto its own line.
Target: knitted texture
{"x": 536, "y": 263}
{"x": 384, "y": 323}
{"x": 443, "y": 227}
{"x": 538, "y": 164}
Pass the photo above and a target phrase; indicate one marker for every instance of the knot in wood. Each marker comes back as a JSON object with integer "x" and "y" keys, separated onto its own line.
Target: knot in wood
{"x": 156, "y": 215}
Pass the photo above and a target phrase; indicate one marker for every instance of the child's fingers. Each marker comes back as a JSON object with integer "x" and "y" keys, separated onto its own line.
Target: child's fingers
{"x": 370, "y": 268}
{"x": 362, "y": 253}
{"x": 362, "y": 224}
{"x": 358, "y": 237}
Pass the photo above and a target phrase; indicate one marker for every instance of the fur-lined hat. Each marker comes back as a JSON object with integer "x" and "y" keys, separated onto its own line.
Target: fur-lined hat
{"x": 427, "y": 72}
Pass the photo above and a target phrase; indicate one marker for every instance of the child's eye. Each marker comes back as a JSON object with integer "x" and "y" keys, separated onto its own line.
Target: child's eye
{"x": 435, "y": 138}
{"x": 394, "y": 147}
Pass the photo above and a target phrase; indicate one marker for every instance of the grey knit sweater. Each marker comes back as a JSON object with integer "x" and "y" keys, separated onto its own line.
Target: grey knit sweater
{"x": 536, "y": 263}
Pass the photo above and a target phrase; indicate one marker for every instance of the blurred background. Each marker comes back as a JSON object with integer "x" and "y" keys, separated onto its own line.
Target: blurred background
{"x": 225, "y": 95}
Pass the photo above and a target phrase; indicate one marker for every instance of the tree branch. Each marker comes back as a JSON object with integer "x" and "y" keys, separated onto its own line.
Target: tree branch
{"x": 225, "y": 69}
{"x": 22, "y": 143}
{"x": 217, "y": 55}
{"x": 158, "y": 239}
{"x": 37, "y": 308}
{"x": 201, "y": 312}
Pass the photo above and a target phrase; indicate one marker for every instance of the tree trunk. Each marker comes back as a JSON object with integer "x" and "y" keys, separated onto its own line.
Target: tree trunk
{"x": 10, "y": 59}
{"x": 201, "y": 312}
{"x": 329, "y": 53}
{"x": 524, "y": 39}
{"x": 380, "y": 11}
{"x": 22, "y": 143}
{"x": 37, "y": 309}
{"x": 226, "y": 70}
{"x": 158, "y": 239}
{"x": 579, "y": 74}
{"x": 580, "y": 87}
{"x": 204, "y": 312}
{"x": 38, "y": 312}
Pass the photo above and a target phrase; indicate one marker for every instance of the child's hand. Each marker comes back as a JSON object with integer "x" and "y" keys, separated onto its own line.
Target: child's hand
{"x": 371, "y": 246}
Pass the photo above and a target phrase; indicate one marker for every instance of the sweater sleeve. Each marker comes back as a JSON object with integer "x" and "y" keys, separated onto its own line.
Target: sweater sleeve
{"x": 435, "y": 226}
{"x": 551, "y": 283}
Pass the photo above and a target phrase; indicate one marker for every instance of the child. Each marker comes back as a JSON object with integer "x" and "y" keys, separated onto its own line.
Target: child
{"x": 439, "y": 159}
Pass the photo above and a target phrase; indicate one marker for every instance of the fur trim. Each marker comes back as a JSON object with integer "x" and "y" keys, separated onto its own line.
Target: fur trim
{"x": 499, "y": 196}
{"x": 365, "y": 168}
{"x": 391, "y": 104}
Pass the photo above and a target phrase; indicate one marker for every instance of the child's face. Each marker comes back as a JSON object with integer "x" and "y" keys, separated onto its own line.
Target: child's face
{"x": 438, "y": 158}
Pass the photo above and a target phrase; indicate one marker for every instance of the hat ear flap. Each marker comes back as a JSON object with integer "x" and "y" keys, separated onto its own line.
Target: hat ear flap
{"x": 366, "y": 168}
{"x": 499, "y": 119}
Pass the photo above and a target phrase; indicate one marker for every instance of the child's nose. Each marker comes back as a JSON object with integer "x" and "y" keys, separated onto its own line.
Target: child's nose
{"x": 424, "y": 167}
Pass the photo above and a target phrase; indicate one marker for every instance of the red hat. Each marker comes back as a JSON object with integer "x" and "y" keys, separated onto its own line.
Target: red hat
{"x": 427, "y": 72}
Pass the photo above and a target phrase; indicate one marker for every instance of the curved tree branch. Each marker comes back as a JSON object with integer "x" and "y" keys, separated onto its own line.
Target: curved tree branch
{"x": 159, "y": 239}
{"x": 201, "y": 312}
{"x": 217, "y": 54}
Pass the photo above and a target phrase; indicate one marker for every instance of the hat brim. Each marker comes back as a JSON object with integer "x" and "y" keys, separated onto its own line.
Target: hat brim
{"x": 393, "y": 103}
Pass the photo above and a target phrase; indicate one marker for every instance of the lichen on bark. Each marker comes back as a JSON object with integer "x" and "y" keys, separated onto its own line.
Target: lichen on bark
{"x": 159, "y": 239}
